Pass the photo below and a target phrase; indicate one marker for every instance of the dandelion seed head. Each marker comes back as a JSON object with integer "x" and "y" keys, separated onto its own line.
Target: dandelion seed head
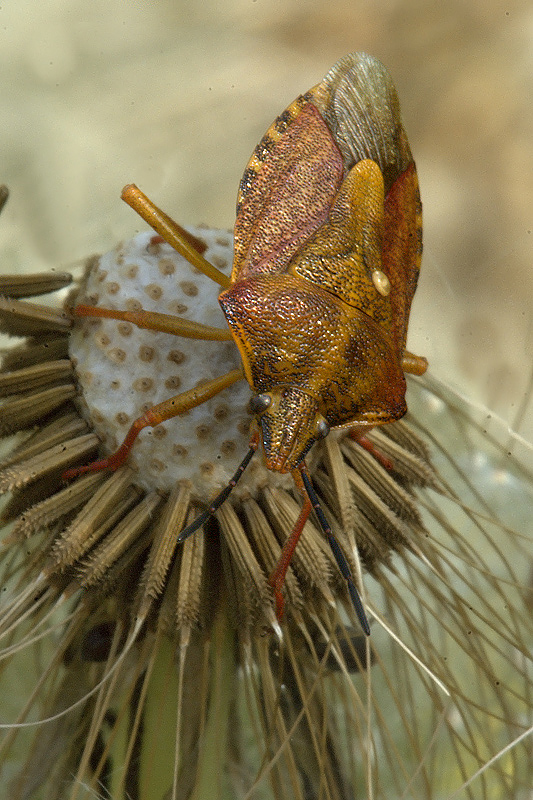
{"x": 444, "y": 583}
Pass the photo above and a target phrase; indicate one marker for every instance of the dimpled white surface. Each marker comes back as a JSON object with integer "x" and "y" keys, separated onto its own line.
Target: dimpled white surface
{"x": 123, "y": 370}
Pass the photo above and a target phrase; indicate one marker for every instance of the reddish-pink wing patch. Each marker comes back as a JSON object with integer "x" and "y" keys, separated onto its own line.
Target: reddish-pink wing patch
{"x": 289, "y": 198}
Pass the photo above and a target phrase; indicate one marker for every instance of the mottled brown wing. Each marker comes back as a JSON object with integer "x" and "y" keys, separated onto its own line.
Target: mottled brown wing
{"x": 285, "y": 196}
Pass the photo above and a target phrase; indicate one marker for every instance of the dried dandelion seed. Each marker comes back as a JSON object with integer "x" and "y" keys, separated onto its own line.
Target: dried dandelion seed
{"x": 191, "y": 696}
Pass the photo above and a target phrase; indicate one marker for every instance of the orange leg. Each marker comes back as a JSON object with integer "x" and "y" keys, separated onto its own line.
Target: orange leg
{"x": 171, "y": 233}
{"x": 416, "y": 365}
{"x": 169, "y": 408}
{"x": 277, "y": 576}
{"x": 153, "y": 321}
{"x": 276, "y": 579}
{"x": 198, "y": 245}
{"x": 371, "y": 448}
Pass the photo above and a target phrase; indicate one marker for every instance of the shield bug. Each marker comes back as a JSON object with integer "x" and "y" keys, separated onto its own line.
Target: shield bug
{"x": 327, "y": 249}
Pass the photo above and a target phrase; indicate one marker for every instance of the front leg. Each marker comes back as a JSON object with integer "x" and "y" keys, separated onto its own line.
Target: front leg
{"x": 172, "y": 407}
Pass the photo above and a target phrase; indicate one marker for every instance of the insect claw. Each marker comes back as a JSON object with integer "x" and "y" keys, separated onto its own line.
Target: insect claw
{"x": 276, "y": 627}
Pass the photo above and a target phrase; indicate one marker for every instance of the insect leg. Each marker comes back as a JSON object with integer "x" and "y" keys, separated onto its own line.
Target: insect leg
{"x": 337, "y": 552}
{"x": 153, "y": 321}
{"x": 172, "y": 407}
{"x": 197, "y": 243}
{"x": 277, "y": 577}
{"x": 171, "y": 233}
{"x": 416, "y": 365}
{"x": 370, "y": 447}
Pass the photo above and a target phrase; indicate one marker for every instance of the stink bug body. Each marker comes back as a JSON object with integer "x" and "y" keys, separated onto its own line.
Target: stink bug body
{"x": 326, "y": 261}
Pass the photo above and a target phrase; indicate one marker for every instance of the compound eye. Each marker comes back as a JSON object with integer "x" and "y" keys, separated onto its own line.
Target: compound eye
{"x": 322, "y": 428}
{"x": 259, "y": 403}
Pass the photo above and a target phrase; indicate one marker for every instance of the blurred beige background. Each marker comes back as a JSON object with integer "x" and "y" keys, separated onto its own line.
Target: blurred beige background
{"x": 175, "y": 95}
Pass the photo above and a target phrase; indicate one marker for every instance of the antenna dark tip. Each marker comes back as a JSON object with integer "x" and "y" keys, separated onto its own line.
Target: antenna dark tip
{"x": 337, "y": 552}
{"x": 219, "y": 499}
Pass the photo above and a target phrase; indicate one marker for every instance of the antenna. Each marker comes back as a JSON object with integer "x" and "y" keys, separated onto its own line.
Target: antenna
{"x": 337, "y": 552}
